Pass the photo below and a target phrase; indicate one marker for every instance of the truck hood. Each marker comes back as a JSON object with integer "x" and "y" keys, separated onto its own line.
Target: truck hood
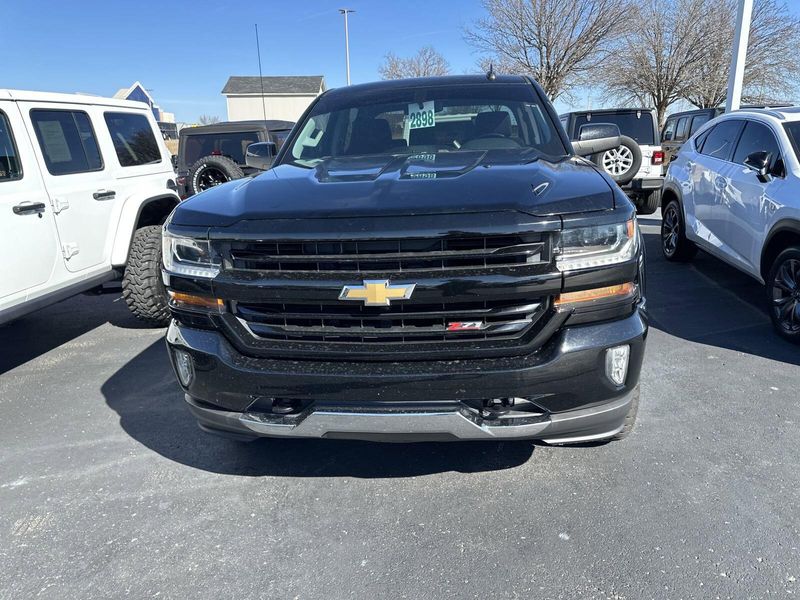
{"x": 427, "y": 184}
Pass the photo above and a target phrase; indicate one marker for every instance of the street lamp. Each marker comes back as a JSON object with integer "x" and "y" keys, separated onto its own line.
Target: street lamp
{"x": 738, "y": 55}
{"x": 345, "y": 12}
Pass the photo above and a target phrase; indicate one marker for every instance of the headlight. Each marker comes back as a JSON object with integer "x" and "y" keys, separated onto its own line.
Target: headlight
{"x": 596, "y": 246}
{"x": 188, "y": 256}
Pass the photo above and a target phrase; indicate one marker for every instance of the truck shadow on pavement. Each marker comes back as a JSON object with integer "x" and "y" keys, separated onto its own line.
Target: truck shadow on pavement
{"x": 151, "y": 409}
{"x": 41, "y": 331}
{"x": 708, "y": 302}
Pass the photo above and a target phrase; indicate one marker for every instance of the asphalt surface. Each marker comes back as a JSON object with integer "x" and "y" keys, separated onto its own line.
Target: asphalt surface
{"x": 108, "y": 489}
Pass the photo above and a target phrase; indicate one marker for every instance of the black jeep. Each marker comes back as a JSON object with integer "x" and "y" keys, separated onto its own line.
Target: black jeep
{"x": 212, "y": 154}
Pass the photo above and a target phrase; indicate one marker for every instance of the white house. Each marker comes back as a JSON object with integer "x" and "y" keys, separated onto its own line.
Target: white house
{"x": 284, "y": 97}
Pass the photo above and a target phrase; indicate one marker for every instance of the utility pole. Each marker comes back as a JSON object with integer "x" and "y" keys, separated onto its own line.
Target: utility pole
{"x": 739, "y": 55}
{"x": 345, "y": 12}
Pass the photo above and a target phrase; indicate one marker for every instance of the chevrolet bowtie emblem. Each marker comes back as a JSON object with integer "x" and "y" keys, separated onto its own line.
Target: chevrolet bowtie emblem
{"x": 377, "y": 292}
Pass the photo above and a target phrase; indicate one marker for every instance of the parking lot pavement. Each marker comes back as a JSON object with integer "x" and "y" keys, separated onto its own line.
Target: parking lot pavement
{"x": 108, "y": 489}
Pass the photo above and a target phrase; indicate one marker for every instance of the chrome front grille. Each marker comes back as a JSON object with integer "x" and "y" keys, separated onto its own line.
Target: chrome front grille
{"x": 401, "y": 322}
{"x": 392, "y": 255}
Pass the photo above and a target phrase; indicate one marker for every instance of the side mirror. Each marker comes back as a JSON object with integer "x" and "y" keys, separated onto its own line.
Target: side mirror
{"x": 759, "y": 163}
{"x": 260, "y": 155}
{"x": 596, "y": 137}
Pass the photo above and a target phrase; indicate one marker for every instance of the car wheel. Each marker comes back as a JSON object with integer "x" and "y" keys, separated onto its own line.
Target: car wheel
{"x": 630, "y": 418}
{"x": 142, "y": 287}
{"x": 674, "y": 244}
{"x": 621, "y": 163}
{"x": 649, "y": 203}
{"x": 783, "y": 293}
{"x": 211, "y": 171}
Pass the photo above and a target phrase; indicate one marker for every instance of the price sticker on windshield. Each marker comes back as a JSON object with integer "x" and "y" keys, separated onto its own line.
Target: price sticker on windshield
{"x": 421, "y": 115}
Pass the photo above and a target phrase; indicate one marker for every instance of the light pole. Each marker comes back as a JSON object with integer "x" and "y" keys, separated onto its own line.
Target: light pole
{"x": 739, "y": 55}
{"x": 345, "y": 12}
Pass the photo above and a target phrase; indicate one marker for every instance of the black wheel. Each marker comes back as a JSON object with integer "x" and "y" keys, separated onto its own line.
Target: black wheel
{"x": 674, "y": 244}
{"x": 630, "y": 418}
{"x": 142, "y": 288}
{"x": 649, "y": 203}
{"x": 783, "y": 293}
{"x": 211, "y": 171}
{"x": 621, "y": 163}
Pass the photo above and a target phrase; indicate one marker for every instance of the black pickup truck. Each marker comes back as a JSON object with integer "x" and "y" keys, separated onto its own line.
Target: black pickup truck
{"x": 424, "y": 259}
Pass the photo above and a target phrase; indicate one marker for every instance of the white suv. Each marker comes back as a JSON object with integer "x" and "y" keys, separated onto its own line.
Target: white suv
{"x": 734, "y": 191}
{"x": 85, "y": 184}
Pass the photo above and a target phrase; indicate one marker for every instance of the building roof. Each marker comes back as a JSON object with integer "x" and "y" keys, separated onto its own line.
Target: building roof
{"x": 289, "y": 84}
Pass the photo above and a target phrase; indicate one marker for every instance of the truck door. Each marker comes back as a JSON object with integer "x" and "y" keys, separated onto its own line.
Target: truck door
{"x": 28, "y": 239}
{"x": 80, "y": 187}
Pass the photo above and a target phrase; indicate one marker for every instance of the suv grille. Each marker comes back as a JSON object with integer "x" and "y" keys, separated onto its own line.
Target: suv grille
{"x": 401, "y": 323}
{"x": 394, "y": 255}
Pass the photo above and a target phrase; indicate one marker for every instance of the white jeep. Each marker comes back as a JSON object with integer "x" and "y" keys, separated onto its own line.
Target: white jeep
{"x": 85, "y": 184}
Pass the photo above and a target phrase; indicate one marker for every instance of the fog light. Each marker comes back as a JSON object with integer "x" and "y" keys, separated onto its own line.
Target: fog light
{"x": 617, "y": 363}
{"x": 184, "y": 367}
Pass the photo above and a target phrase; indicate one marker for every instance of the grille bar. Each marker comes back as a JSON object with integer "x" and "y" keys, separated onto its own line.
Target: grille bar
{"x": 336, "y": 322}
{"x": 398, "y": 255}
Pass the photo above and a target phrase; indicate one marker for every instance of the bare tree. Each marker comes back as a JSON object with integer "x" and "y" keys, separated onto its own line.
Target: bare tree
{"x": 560, "y": 43}
{"x": 774, "y": 36}
{"x": 207, "y": 120}
{"x": 427, "y": 62}
{"x": 656, "y": 63}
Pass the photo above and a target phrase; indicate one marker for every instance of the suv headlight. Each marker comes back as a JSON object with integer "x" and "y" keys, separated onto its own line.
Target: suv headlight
{"x": 597, "y": 246}
{"x": 188, "y": 256}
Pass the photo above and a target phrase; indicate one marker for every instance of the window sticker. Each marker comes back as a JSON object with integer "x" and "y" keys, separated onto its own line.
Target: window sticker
{"x": 421, "y": 115}
{"x": 55, "y": 142}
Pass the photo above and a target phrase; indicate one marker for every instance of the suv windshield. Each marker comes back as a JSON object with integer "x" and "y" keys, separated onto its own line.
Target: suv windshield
{"x": 405, "y": 121}
{"x": 793, "y": 131}
{"x": 636, "y": 124}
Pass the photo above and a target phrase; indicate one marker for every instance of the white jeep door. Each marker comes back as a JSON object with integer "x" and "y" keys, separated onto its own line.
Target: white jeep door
{"x": 28, "y": 239}
{"x": 80, "y": 186}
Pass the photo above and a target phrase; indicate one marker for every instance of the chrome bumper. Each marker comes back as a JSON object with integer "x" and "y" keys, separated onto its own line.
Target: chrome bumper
{"x": 593, "y": 423}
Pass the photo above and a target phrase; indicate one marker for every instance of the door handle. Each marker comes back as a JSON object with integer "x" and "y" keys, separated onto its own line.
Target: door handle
{"x": 104, "y": 195}
{"x": 29, "y": 209}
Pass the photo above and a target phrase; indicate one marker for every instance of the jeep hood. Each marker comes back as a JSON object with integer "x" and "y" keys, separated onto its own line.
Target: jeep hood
{"x": 380, "y": 186}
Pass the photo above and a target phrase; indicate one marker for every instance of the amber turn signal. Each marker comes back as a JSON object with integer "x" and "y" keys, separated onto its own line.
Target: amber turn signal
{"x": 182, "y": 299}
{"x": 612, "y": 291}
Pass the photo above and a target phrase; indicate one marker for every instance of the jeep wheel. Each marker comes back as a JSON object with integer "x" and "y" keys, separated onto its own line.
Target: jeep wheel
{"x": 648, "y": 203}
{"x": 783, "y": 293}
{"x": 621, "y": 163}
{"x": 211, "y": 171}
{"x": 142, "y": 288}
{"x": 674, "y": 244}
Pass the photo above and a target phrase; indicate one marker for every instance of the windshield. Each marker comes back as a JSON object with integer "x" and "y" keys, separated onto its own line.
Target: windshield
{"x": 232, "y": 144}
{"x": 411, "y": 121}
{"x": 793, "y": 131}
{"x": 637, "y": 124}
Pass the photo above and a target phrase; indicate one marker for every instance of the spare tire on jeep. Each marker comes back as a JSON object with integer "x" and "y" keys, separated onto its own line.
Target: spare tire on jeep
{"x": 621, "y": 163}
{"x": 211, "y": 171}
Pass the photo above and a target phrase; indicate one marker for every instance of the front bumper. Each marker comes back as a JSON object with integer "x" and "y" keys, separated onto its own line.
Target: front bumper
{"x": 416, "y": 401}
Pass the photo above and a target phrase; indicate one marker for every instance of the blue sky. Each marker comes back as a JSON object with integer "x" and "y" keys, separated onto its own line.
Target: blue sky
{"x": 184, "y": 51}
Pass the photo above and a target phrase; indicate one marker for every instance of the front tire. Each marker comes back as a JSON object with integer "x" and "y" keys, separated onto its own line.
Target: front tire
{"x": 648, "y": 203}
{"x": 630, "y": 418}
{"x": 783, "y": 294}
{"x": 142, "y": 288}
{"x": 674, "y": 244}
